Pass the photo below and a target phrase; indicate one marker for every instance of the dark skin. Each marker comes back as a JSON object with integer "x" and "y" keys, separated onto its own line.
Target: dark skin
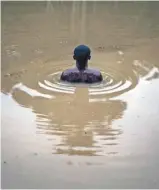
{"x": 81, "y": 73}
{"x": 82, "y": 62}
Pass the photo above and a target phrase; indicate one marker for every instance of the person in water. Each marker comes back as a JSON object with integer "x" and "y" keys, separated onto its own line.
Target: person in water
{"x": 81, "y": 73}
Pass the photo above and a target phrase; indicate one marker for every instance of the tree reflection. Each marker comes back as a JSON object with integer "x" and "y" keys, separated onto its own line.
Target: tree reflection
{"x": 84, "y": 127}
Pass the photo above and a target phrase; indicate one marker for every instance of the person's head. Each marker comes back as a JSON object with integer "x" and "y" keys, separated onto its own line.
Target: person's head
{"x": 82, "y": 54}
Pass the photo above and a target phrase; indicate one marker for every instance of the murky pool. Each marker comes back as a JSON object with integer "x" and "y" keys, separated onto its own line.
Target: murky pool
{"x": 61, "y": 135}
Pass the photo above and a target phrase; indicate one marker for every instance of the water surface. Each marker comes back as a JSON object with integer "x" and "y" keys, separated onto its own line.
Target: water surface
{"x": 61, "y": 135}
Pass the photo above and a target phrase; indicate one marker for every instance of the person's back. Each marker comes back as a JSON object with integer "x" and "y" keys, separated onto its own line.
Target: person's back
{"x": 84, "y": 76}
{"x": 81, "y": 73}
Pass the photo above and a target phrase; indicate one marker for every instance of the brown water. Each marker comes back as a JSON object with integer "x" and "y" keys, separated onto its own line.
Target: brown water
{"x": 59, "y": 135}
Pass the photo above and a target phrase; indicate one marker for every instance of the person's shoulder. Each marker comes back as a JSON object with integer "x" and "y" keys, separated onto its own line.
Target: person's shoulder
{"x": 67, "y": 71}
{"x": 94, "y": 71}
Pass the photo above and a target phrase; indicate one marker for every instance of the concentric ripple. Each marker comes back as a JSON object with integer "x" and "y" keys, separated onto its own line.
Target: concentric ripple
{"x": 53, "y": 83}
{"x": 115, "y": 83}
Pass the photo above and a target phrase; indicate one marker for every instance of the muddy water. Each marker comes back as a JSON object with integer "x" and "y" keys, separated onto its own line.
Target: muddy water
{"x": 60, "y": 135}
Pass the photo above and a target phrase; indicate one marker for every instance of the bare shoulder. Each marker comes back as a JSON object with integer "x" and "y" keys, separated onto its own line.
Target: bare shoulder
{"x": 94, "y": 71}
{"x": 96, "y": 74}
{"x": 67, "y": 71}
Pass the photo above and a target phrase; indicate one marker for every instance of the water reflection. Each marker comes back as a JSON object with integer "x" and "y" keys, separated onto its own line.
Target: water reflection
{"x": 83, "y": 22}
{"x": 124, "y": 38}
{"x": 77, "y": 126}
{"x": 79, "y": 123}
{"x": 73, "y": 18}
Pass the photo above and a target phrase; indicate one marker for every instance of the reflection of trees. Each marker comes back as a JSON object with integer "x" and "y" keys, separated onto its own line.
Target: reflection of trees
{"x": 84, "y": 128}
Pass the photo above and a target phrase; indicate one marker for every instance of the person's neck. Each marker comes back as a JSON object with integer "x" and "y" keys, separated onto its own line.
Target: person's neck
{"x": 78, "y": 66}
